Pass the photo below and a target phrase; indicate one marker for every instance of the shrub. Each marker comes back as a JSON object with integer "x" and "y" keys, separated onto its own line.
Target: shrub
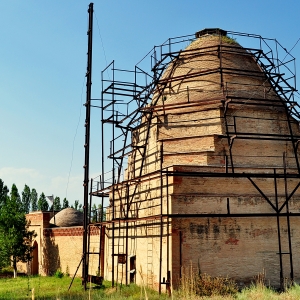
{"x": 206, "y": 285}
{"x": 197, "y": 284}
{"x": 8, "y": 269}
{"x": 58, "y": 274}
{"x": 229, "y": 40}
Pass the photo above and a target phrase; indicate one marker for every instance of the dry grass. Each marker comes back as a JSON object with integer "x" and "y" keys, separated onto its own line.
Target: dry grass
{"x": 194, "y": 285}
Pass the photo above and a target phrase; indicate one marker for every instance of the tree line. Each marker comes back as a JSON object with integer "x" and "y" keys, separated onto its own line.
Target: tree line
{"x": 31, "y": 201}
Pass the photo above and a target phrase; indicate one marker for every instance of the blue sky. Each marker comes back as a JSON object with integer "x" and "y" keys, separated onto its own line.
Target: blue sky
{"x": 43, "y": 64}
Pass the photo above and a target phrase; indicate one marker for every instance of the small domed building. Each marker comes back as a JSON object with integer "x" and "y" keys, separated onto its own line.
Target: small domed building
{"x": 58, "y": 244}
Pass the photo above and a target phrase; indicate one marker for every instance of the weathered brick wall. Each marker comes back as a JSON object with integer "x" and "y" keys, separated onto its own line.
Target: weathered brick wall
{"x": 62, "y": 249}
{"x": 236, "y": 247}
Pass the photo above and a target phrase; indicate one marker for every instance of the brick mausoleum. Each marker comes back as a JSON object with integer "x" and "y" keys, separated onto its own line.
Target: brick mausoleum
{"x": 212, "y": 167}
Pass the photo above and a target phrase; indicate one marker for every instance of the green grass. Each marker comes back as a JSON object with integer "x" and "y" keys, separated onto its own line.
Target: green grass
{"x": 57, "y": 288}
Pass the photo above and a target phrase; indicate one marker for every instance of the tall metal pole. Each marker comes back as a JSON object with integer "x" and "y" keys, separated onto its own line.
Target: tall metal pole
{"x": 87, "y": 145}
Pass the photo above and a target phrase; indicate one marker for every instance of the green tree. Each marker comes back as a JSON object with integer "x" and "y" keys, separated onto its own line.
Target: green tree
{"x": 15, "y": 238}
{"x": 101, "y": 213}
{"x": 97, "y": 212}
{"x": 76, "y": 204}
{"x": 4, "y": 251}
{"x": 94, "y": 213}
{"x": 34, "y": 200}
{"x": 26, "y": 199}
{"x": 3, "y": 193}
{"x": 65, "y": 203}
{"x": 42, "y": 203}
{"x": 4, "y": 255}
{"x": 56, "y": 203}
{"x": 15, "y": 197}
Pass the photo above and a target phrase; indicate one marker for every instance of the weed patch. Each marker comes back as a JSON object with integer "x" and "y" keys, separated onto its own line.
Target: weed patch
{"x": 59, "y": 274}
{"x": 196, "y": 284}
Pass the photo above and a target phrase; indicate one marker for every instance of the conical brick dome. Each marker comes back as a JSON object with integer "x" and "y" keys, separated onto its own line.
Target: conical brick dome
{"x": 207, "y": 69}
{"x": 212, "y": 93}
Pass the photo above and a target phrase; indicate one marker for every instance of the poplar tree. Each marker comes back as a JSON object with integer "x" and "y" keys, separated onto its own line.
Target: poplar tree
{"x": 4, "y": 255}
{"x": 56, "y": 203}
{"x": 65, "y": 203}
{"x": 42, "y": 203}
{"x": 34, "y": 200}
{"x": 76, "y": 204}
{"x": 26, "y": 199}
{"x": 3, "y": 193}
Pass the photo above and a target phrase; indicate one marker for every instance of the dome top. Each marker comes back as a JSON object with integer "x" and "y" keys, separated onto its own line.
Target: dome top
{"x": 214, "y": 31}
{"x": 68, "y": 217}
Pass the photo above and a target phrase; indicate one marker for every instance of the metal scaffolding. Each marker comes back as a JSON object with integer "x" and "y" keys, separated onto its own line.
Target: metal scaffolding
{"x": 127, "y": 103}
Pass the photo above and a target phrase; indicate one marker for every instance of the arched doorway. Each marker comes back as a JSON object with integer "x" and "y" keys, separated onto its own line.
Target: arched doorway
{"x": 35, "y": 259}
